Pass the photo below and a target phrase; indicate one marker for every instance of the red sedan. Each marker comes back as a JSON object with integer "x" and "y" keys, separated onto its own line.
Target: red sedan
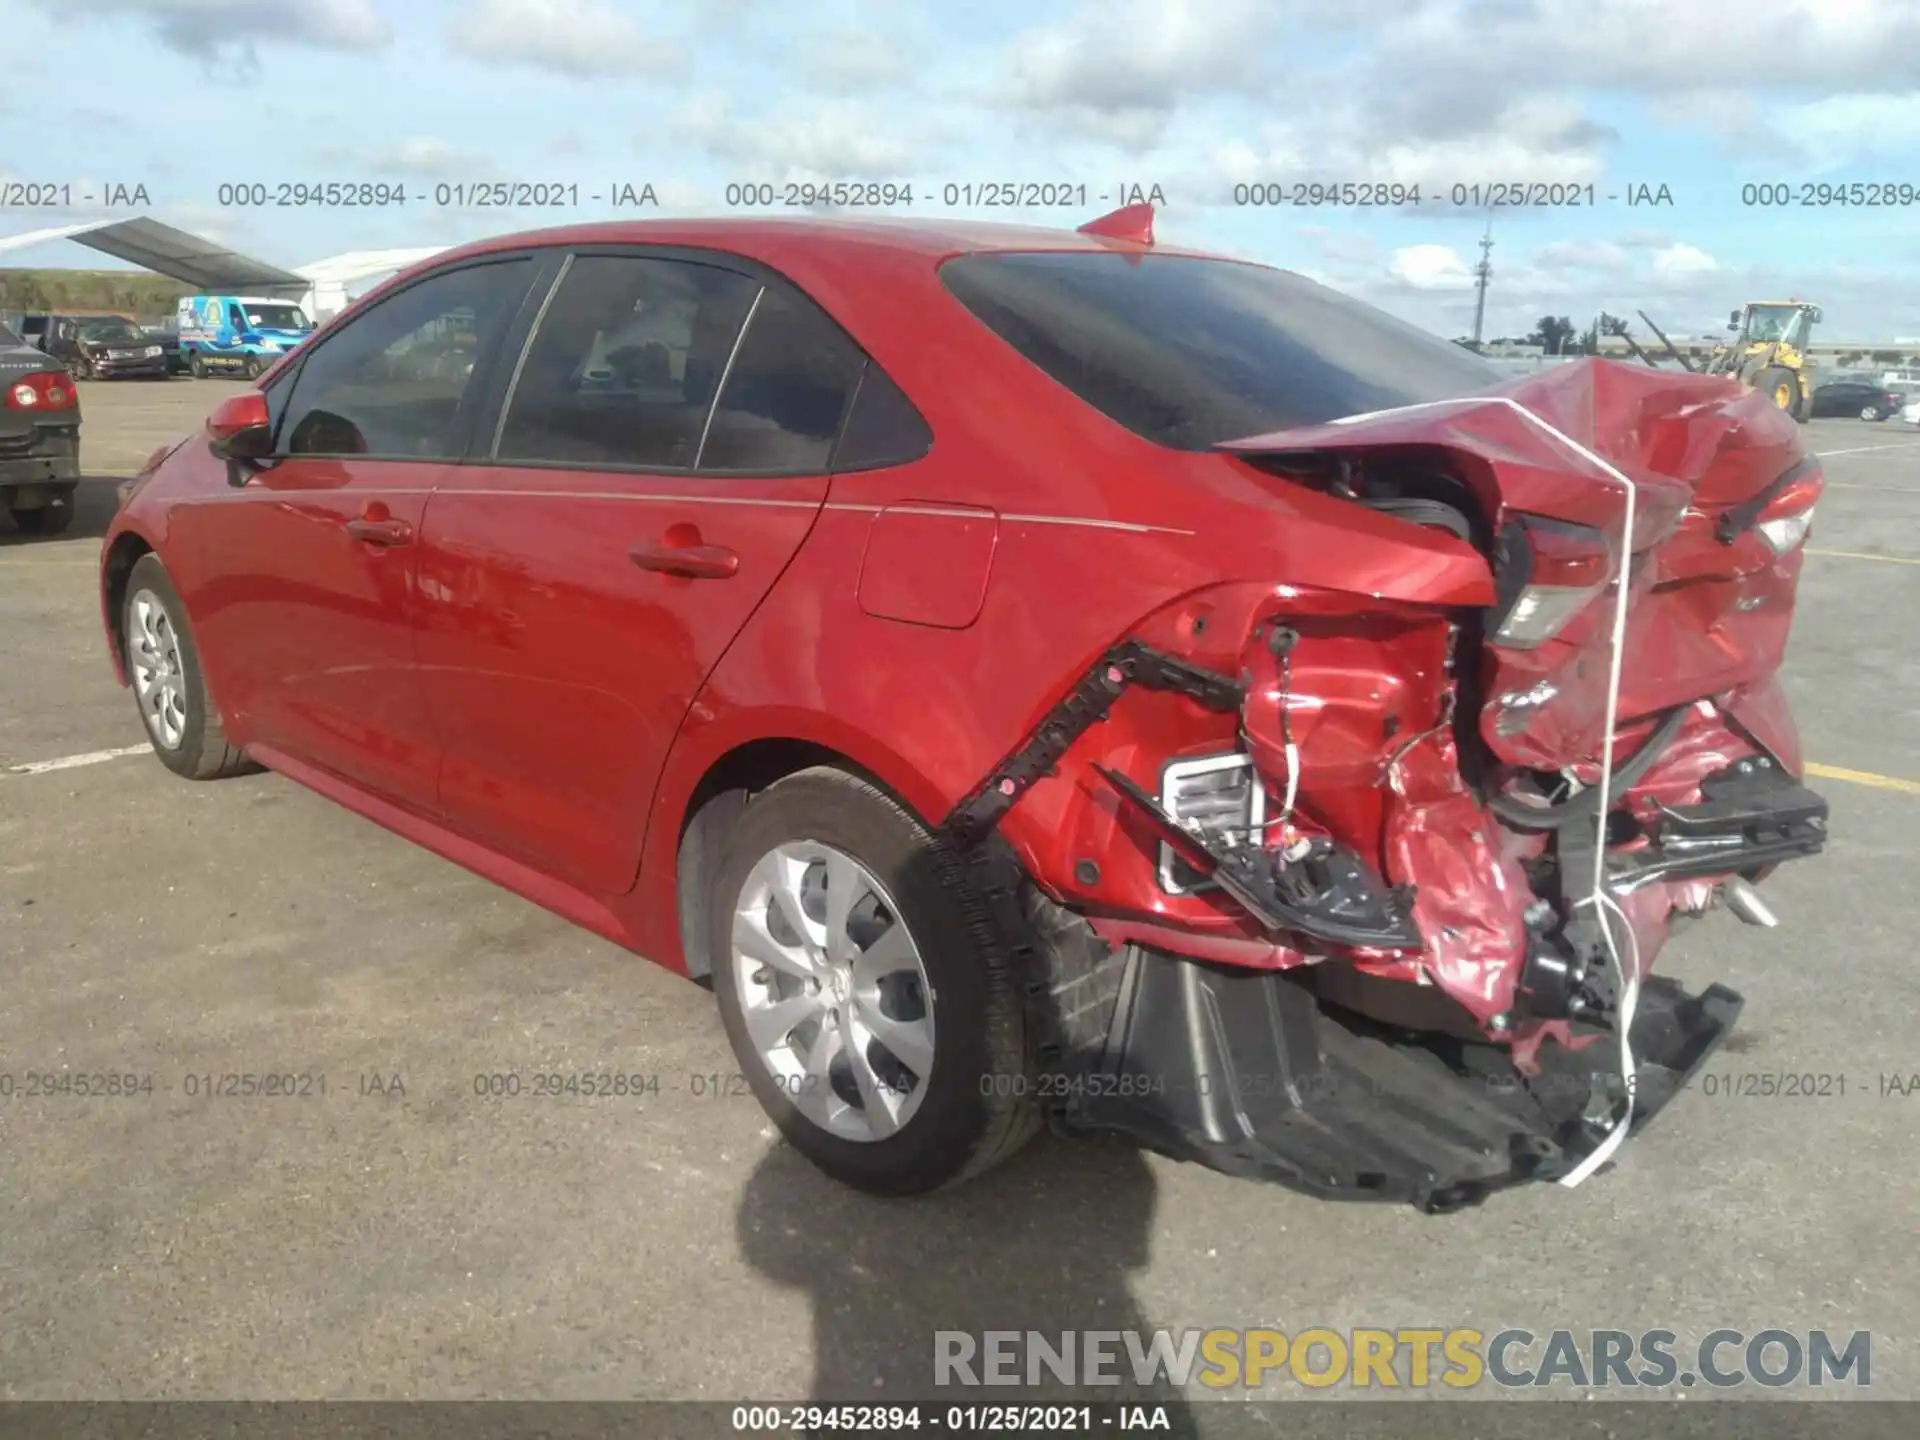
{"x": 1033, "y": 676}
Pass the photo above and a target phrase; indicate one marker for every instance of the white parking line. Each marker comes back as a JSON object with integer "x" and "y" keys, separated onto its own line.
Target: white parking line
{"x": 1863, "y": 449}
{"x": 73, "y": 762}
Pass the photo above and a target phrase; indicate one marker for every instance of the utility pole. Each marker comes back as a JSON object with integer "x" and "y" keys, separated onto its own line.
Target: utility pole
{"x": 1483, "y": 272}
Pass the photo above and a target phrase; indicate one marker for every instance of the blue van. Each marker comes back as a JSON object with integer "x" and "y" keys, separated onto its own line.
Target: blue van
{"x": 224, "y": 334}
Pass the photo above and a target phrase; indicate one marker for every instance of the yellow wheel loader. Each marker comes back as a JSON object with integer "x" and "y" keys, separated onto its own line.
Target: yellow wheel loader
{"x": 1769, "y": 352}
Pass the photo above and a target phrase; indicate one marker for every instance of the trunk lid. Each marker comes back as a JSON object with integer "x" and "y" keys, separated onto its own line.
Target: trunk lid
{"x": 1711, "y": 600}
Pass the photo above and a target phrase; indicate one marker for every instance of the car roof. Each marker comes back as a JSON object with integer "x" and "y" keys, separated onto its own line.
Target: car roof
{"x": 773, "y": 239}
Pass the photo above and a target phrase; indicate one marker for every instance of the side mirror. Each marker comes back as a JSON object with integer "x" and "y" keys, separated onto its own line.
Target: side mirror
{"x": 1733, "y": 321}
{"x": 240, "y": 432}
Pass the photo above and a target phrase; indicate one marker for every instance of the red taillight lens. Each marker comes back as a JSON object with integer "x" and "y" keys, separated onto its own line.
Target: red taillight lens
{"x": 42, "y": 390}
{"x": 1788, "y": 516}
{"x": 1551, "y": 569}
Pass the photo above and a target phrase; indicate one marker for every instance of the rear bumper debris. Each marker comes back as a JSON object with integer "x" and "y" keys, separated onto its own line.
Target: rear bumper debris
{"x": 1745, "y": 819}
{"x": 1248, "y": 1073}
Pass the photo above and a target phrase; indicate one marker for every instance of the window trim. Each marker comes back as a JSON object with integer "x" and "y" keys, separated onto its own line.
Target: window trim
{"x": 498, "y": 398}
{"x": 464, "y": 423}
{"x": 726, "y": 374}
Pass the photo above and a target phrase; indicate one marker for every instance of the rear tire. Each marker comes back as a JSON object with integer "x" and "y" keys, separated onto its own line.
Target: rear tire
{"x": 884, "y": 1036}
{"x": 170, "y": 688}
{"x": 1872, "y": 412}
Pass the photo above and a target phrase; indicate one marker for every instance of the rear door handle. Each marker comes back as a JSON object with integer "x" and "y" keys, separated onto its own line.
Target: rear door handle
{"x": 695, "y": 562}
{"x": 381, "y": 532}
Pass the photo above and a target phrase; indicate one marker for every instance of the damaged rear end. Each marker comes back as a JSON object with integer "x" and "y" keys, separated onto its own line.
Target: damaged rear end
{"x": 1359, "y": 885}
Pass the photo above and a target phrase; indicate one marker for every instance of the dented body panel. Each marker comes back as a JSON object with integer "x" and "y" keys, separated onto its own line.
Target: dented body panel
{"x": 1357, "y": 602}
{"x": 1399, "y": 723}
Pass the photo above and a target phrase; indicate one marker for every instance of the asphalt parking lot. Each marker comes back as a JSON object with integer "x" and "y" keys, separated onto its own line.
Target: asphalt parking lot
{"x": 399, "y": 1235}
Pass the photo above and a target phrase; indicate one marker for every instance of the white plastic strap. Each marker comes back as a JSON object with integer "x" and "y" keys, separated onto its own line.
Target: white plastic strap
{"x": 1598, "y": 897}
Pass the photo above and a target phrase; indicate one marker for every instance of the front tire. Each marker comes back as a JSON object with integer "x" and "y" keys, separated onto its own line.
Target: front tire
{"x": 1872, "y": 412}
{"x": 197, "y": 365}
{"x": 869, "y": 997}
{"x": 44, "y": 521}
{"x": 171, "y": 690}
{"x": 256, "y": 367}
{"x": 1779, "y": 386}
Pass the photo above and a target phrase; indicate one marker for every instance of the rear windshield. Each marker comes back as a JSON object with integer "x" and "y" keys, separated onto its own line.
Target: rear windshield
{"x": 7, "y": 337}
{"x": 1189, "y": 352}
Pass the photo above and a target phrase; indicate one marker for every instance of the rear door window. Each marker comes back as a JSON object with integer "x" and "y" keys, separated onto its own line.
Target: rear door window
{"x": 625, "y": 363}
{"x": 1189, "y": 352}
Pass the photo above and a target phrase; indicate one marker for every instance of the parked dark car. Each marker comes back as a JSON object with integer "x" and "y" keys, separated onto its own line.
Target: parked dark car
{"x": 166, "y": 334}
{"x": 102, "y": 347}
{"x": 1868, "y": 399}
{"x": 39, "y": 438}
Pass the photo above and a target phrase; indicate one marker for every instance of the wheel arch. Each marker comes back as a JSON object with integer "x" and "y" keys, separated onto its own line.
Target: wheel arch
{"x": 123, "y": 552}
{"x": 719, "y": 796}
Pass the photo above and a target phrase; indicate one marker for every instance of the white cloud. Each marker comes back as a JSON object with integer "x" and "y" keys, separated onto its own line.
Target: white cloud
{"x": 423, "y": 155}
{"x": 1683, "y": 260}
{"x": 853, "y": 60}
{"x": 1430, "y": 267}
{"x": 1115, "y": 72}
{"x": 581, "y": 38}
{"x": 202, "y": 27}
{"x": 1658, "y": 47}
{"x": 826, "y": 140}
{"x": 1525, "y": 140}
{"x": 1846, "y": 129}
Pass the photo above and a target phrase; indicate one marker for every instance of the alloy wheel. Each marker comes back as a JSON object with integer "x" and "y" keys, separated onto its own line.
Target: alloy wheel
{"x": 159, "y": 678}
{"x": 833, "y": 990}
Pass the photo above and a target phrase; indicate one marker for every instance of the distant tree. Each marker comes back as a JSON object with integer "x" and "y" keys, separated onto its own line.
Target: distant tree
{"x": 1552, "y": 333}
{"x": 1852, "y": 358}
{"x": 1886, "y": 357}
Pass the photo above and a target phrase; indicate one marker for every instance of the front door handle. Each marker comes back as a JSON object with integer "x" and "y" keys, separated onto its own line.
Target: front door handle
{"x": 695, "y": 562}
{"x": 381, "y": 532}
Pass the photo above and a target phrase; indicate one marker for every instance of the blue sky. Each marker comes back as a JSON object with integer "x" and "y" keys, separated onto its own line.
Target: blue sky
{"x": 1702, "y": 97}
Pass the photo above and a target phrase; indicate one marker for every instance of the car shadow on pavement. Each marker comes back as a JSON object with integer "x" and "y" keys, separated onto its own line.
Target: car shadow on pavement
{"x": 95, "y": 503}
{"x": 1046, "y": 1243}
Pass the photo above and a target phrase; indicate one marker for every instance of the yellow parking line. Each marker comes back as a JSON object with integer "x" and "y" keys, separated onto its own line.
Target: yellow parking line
{"x": 1861, "y": 555}
{"x": 1864, "y": 777}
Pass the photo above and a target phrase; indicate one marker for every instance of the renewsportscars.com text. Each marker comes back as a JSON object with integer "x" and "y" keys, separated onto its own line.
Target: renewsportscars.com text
{"x": 1404, "y": 1358}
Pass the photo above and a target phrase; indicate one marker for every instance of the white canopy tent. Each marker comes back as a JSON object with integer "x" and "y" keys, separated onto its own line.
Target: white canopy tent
{"x": 321, "y": 288}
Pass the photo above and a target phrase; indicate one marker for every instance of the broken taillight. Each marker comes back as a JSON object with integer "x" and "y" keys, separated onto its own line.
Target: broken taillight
{"x": 1549, "y": 571}
{"x": 1215, "y": 797}
{"x": 1788, "y": 516}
